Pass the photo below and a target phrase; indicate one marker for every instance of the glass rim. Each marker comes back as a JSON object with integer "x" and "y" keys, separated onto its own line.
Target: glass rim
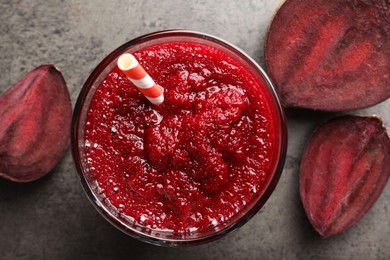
{"x": 261, "y": 197}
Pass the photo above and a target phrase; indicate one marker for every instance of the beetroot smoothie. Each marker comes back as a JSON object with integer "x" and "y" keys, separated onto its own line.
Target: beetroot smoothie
{"x": 194, "y": 162}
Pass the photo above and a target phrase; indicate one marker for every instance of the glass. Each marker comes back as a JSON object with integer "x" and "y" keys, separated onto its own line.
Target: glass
{"x": 90, "y": 186}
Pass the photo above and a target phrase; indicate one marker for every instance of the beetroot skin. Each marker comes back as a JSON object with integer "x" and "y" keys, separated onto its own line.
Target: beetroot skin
{"x": 35, "y": 117}
{"x": 330, "y": 55}
{"x": 344, "y": 169}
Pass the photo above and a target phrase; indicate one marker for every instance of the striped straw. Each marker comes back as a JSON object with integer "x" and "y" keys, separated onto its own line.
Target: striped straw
{"x": 129, "y": 65}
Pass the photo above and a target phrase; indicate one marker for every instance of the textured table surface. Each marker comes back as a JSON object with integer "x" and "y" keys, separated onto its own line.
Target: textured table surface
{"x": 52, "y": 218}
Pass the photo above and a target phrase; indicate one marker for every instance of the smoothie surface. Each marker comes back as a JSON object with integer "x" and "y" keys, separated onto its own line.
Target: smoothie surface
{"x": 194, "y": 162}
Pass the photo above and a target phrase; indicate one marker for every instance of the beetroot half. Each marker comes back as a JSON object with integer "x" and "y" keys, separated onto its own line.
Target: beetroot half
{"x": 35, "y": 118}
{"x": 330, "y": 55}
{"x": 344, "y": 169}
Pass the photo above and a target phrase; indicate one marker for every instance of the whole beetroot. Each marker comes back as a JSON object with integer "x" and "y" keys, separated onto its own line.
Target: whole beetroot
{"x": 35, "y": 118}
{"x": 344, "y": 169}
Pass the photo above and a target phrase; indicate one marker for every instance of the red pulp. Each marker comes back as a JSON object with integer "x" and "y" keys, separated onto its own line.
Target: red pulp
{"x": 194, "y": 162}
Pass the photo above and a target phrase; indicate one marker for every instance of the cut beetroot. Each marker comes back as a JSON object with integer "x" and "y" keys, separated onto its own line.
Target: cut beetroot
{"x": 344, "y": 169}
{"x": 330, "y": 55}
{"x": 35, "y": 117}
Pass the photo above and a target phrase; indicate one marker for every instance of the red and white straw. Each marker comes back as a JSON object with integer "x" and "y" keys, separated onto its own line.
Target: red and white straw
{"x": 129, "y": 65}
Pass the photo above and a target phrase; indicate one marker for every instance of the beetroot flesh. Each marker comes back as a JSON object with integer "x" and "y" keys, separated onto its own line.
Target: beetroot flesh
{"x": 330, "y": 55}
{"x": 344, "y": 169}
{"x": 35, "y": 118}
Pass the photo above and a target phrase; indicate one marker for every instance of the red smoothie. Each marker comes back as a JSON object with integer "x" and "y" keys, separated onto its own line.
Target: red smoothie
{"x": 195, "y": 161}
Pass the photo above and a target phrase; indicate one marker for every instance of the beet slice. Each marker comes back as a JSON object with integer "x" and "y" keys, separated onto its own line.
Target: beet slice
{"x": 35, "y": 118}
{"x": 344, "y": 169}
{"x": 330, "y": 55}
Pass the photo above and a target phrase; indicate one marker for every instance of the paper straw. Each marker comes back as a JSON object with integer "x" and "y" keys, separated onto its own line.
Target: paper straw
{"x": 129, "y": 65}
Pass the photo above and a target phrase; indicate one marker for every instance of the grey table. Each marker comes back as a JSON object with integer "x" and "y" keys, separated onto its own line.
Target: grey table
{"x": 52, "y": 218}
